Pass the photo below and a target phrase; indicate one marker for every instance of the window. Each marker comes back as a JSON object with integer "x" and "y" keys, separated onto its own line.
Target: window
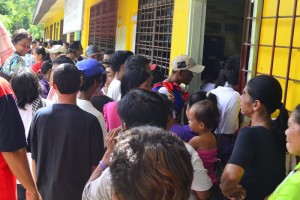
{"x": 154, "y": 31}
{"x": 271, "y": 46}
{"x": 63, "y": 37}
{"x": 102, "y": 29}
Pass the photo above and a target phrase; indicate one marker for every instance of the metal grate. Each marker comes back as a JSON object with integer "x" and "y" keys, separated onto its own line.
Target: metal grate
{"x": 274, "y": 47}
{"x": 51, "y": 29}
{"x": 154, "y": 31}
{"x": 63, "y": 37}
{"x": 102, "y": 29}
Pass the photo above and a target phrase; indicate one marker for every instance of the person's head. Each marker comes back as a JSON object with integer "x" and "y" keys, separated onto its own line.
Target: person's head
{"x": 66, "y": 45}
{"x": 109, "y": 75}
{"x": 93, "y": 72}
{"x": 46, "y": 69}
{"x": 183, "y": 67}
{"x": 117, "y": 60}
{"x": 34, "y": 44}
{"x": 106, "y": 55}
{"x": 26, "y": 86}
{"x": 293, "y": 132}
{"x": 59, "y": 42}
{"x": 150, "y": 163}
{"x": 57, "y": 61}
{"x": 93, "y": 52}
{"x": 45, "y": 44}
{"x": 21, "y": 40}
{"x": 142, "y": 107}
{"x": 204, "y": 114}
{"x": 66, "y": 79}
{"x": 70, "y": 53}
{"x": 56, "y": 50}
{"x": 232, "y": 70}
{"x": 261, "y": 91}
{"x": 194, "y": 98}
{"x": 52, "y": 43}
{"x": 39, "y": 53}
{"x": 77, "y": 47}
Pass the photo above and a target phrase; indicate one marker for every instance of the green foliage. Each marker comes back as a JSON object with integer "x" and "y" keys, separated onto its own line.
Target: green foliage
{"x": 16, "y": 14}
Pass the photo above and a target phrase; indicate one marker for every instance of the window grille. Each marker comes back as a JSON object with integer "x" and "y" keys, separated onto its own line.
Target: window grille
{"x": 154, "y": 31}
{"x": 72, "y": 35}
{"x": 273, "y": 47}
{"x": 102, "y": 28}
{"x": 51, "y": 29}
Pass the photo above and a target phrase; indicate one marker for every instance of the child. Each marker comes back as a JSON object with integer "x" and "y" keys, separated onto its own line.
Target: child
{"x": 44, "y": 78}
{"x": 203, "y": 119}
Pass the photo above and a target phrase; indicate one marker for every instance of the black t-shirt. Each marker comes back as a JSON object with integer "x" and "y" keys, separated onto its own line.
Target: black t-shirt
{"x": 12, "y": 132}
{"x": 258, "y": 152}
{"x": 65, "y": 143}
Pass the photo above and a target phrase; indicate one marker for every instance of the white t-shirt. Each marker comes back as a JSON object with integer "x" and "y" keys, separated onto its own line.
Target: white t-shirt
{"x": 88, "y": 107}
{"x": 114, "y": 89}
{"x": 101, "y": 188}
{"x": 229, "y": 106}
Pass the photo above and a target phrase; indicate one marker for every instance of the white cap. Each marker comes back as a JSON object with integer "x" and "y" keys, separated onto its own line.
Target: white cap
{"x": 57, "y": 49}
{"x": 184, "y": 62}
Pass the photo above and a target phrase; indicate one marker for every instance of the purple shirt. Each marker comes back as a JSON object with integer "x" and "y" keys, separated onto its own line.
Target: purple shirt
{"x": 183, "y": 132}
{"x": 45, "y": 88}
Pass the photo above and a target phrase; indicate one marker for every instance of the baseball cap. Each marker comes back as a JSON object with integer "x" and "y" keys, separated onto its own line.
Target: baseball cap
{"x": 184, "y": 62}
{"x": 90, "y": 67}
{"x": 57, "y": 49}
{"x": 92, "y": 50}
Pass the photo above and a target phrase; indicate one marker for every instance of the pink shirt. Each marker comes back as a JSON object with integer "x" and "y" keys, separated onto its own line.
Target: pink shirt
{"x": 111, "y": 115}
{"x": 209, "y": 157}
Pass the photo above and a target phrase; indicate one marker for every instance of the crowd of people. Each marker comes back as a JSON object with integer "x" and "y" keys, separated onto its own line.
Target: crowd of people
{"x": 99, "y": 126}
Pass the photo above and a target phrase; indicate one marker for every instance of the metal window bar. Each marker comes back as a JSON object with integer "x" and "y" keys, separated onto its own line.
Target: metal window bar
{"x": 154, "y": 31}
{"x": 246, "y": 44}
{"x": 63, "y": 37}
{"x": 102, "y": 28}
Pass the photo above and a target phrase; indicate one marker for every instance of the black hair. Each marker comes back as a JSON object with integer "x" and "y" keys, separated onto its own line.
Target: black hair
{"x": 40, "y": 51}
{"x": 297, "y": 114}
{"x": 232, "y": 71}
{"x": 67, "y": 78}
{"x": 75, "y": 45}
{"x": 196, "y": 97}
{"x": 142, "y": 107}
{"x": 118, "y": 58}
{"x": 207, "y": 111}
{"x": 26, "y": 87}
{"x": 62, "y": 59}
{"x": 19, "y": 35}
{"x": 59, "y": 42}
{"x": 211, "y": 72}
{"x": 268, "y": 91}
{"x": 133, "y": 78}
{"x": 88, "y": 81}
{"x": 45, "y": 44}
{"x": 34, "y": 42}
{"x": 52, "y": 43}
{"x": 46, "y": 66}
{"x": 69, "y": 50}
{"x": 108, "y": 52}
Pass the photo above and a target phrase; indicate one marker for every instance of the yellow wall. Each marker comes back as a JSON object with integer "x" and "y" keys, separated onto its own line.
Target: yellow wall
{"x": 281, "y": 55}
{"x": 180, "y": 28}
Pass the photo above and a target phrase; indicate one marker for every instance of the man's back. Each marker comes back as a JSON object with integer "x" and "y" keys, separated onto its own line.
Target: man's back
{"x": 65, "y": 144}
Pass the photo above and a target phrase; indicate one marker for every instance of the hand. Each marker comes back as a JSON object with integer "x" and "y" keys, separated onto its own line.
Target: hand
{"x": 239, "y": 193}
{"x": 33, "y": 195}
{"x": 110, "y": 141}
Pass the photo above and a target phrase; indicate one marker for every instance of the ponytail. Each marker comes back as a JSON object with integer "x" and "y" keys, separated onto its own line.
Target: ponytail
{"x": 280, "y": 125}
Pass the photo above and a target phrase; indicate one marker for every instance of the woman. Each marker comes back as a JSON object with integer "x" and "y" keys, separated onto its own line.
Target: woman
{"x": 27, "y": 89}
{"x": 21, "y": 40}
{"x": 136, "y": 75}
{"x": 289, "y": 188}
{"x": 39, "y": 54}
{"x": 257, "y": 164}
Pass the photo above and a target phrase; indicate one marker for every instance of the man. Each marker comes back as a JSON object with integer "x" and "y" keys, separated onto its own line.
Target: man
{"x": 94, "y": 76}
{"x": 66, "y": 142}
{"x": 55, "y": 51}
{"x": 183, "y": 67}
{"x": 106, "y": 55}
{"x": 13, "y": 158}
{"x": 137, "y": 108}
{"x": 93, "y": 52}
{"x": 78, "y": 50}
{"x": 117, "y": 61}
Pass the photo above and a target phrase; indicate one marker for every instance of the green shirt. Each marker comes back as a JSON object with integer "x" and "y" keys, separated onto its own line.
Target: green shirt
{"x": 289, "y": 189}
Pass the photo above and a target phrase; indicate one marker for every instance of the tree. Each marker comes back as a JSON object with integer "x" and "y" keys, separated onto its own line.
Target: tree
{"x": 16, "y": 14}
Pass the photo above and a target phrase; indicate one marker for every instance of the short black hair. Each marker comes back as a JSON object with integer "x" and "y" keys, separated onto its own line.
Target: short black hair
{"x": 20, "y": 34}
{"x": 26, "y": 86}
{"x": 88, "y": 81}
{"x": 75, "y": 45}
{"x": 142, "y": 107}
{"x": 40, "y": 51}
{"x": 67, "y": 78}
{"x": 118, "y": 58}
{"x": 62, "y": 59}
{"x": 108, "y": 52}
{"x": 45, "y": 44}
{"x": 232, "y": 70}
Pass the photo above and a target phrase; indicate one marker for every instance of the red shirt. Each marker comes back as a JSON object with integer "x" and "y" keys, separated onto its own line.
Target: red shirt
{"x": 36, "y": 67}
